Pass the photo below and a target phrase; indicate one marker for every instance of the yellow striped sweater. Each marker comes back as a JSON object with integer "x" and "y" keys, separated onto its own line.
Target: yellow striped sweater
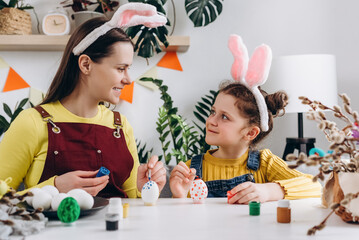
{"x": 296, "y": 185}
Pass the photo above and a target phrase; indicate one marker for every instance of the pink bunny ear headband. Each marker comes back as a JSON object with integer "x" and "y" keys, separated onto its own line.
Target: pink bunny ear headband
{"x": 253, "y": 73}
{"x": 130, "y": 14}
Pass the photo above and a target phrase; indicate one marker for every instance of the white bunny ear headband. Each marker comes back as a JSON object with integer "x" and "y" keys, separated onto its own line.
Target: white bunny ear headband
{"x": 130, "y": 14}
{"x": 253, "y": 73}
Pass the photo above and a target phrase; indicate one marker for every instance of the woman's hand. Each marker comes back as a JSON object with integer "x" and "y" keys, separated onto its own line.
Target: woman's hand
{"x": 85, "y": 180}
{"x": 248, "y": 191}
{"x": 158, "y": 173}
{"x": 181, "y": 179}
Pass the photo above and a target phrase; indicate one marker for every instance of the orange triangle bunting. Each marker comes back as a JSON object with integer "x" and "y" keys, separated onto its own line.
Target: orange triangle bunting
{"x": 170, "y": 60}
{"x": 14, "y": 82}
{"x": 127, "y": 93}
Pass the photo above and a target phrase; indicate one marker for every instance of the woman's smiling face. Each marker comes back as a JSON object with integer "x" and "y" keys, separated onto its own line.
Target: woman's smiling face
{"x": 107, "y": 78}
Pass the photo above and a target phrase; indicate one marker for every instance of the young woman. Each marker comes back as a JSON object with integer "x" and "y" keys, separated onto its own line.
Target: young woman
{"x": 67, "y": 138}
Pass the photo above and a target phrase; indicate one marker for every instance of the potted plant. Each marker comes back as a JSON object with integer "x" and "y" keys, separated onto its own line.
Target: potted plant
{"x": 86, "y": 9}
{"x": 341, "y": 191}
{"x": 203, "y": 12}
{"x": 148, "y": 38}
{"x": 13, "y": 18}
{"x": 178, "y": 140}
{"x": 4, "y": 123}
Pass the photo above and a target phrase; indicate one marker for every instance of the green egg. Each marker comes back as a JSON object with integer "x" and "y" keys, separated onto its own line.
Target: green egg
{"x": 69, "y": 210}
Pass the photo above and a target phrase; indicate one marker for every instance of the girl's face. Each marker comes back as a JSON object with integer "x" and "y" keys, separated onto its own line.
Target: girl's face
{"x": 107, "y": 78}
{"x": 225, "y": 127}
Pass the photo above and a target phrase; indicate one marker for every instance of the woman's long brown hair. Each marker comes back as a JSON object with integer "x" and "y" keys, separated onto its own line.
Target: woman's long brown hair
{"x": 68, "y": 74}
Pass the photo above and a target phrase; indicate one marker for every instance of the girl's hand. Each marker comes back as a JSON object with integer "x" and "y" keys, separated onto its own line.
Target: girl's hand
{"x": 181, "y": 179}
{"x": 85, "y": 180}
{"x": 158, "y": 173}
{"x": 248, "y": 191}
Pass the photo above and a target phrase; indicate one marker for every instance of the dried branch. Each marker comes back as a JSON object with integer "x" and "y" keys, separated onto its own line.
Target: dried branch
{"x": 342, "y": 142}
{"x": 345, "y": 202}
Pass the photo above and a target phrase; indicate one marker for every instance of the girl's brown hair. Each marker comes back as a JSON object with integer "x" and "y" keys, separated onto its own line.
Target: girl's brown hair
{"x": 248, "y": 108}
{"x": 68, "y": 74}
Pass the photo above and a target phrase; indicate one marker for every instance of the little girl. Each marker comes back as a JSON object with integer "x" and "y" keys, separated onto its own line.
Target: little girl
{"x": 241, "y": 117}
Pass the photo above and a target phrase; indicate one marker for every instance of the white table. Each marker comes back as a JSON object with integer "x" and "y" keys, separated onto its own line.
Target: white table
{"x": 181, "y": 219}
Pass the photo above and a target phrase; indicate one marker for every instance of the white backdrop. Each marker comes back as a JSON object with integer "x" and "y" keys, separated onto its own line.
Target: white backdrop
{"x": 288, "y": 26}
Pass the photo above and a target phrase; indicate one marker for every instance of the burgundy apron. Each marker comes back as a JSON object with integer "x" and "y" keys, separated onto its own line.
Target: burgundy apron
{"x": 87, "y": 147}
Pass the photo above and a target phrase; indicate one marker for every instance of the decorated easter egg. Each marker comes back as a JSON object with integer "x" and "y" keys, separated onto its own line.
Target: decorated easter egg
{"x": 150, "y": 193}
{"x": 198, "y": 190}
{"x": 56, "y": 200}
{"x": 83, "y": 198}
{"x": 41, "y": 199}
{"x": 33, "y": 191}
{"x": 51, "y": 190}
{"x": 68, "y": 210}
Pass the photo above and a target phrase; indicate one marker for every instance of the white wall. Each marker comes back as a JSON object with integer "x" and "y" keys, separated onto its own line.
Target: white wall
{"x": 288, "y": 26}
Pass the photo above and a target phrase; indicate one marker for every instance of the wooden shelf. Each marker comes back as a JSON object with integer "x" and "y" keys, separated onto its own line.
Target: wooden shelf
{"x": 58, "y": 43}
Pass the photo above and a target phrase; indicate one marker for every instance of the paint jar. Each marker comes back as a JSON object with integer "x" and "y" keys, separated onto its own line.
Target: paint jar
{"x": 126, "y": 207}
{"x": 283, "y": 211}
{"x": 115, "y": 206}
{"x": 112, "y": 221}
{"x": 114, "y": 214}
{"x": 102, "y": 172}
{"x": 254, "y": 208}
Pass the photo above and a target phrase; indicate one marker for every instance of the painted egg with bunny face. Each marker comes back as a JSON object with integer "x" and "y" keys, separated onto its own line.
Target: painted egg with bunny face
{"x": 150, "y": 193}
{"x": 198, "y": 190}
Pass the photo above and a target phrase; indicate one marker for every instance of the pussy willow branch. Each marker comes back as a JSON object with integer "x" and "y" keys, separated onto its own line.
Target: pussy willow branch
{"x": 342, "y": 142}
{"x": 337, "y": 111}
{"x": 15, "y": 211}
{"x": 339, "y": 138}
{"x": 320, "y": 226}
{"x": 347, "y": 199}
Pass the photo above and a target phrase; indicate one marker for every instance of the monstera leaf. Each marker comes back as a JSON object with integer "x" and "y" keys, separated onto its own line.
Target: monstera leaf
{"x": 148, "y": 39}
{"x": 203, "y": 12}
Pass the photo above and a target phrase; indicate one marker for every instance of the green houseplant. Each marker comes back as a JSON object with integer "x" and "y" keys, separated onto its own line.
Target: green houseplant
{"x": 203, "y": 12}
{"x": 173, "y": 130}
{"x": 102, "y": 6}
{"x": 178, "y": 139}
{"x": 4, "y": 123}
{"x": 148, "y": 38}
{"x": 203, "y": 111}
{"x": 143, "y": 153}
{"x": 86, "y": 9}
{"x": 18, "y": 4}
